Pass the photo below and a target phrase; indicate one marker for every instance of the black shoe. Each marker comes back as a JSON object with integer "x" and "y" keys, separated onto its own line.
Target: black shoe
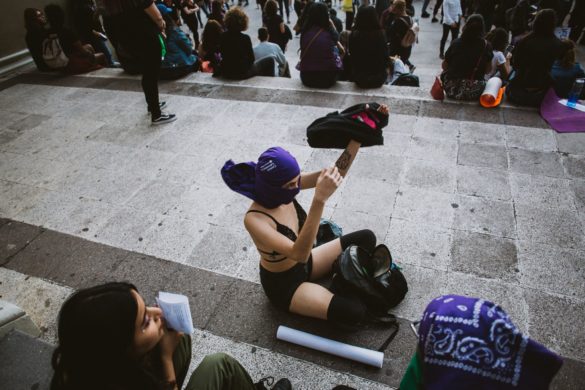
{"x": 434, "y": 19}
{"x": 282, "y": 384}
{"x": 411, "y": 67}
{"x": 164, "y": 118}
{"x": 441, "y": 56}
{"x": 425, "y": 15}
{"x": 161, "y": 105}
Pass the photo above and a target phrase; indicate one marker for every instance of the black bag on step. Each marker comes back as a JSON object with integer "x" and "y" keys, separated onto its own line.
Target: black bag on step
{"x": 371, "y": 277}
{"x": 336, "y": 129}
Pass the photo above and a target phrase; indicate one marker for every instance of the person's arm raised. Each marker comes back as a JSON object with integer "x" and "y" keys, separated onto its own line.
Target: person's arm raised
{"x": 269, "y": 239}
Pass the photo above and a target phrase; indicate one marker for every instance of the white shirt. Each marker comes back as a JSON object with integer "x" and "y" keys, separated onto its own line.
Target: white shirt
{"x": 451, "y": 11}
{"x": 265, "y": 49}
{"x": 497, "y": 60}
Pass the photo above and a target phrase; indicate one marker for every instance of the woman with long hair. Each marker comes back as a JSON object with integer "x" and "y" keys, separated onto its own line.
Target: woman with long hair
{"x": 274, "y": 24}
{"x": 209, "y": 48}
{"x": 108, "y": 339}
{"x": 533, "y": 59}
{"x": 499, "y": 39}
{"x": 320, "y": 62}
{"x": 467, "y": 61}
{"x": 396, "y": 23}
{"x": 368, "y": 49}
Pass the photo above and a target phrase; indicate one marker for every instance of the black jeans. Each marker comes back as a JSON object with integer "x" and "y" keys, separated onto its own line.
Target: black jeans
{"x": 454, "y": 35}
{"x": 284, "y": 4}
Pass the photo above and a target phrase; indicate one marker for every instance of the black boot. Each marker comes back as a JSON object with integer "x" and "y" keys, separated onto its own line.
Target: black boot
{"x": 282, "y": 384}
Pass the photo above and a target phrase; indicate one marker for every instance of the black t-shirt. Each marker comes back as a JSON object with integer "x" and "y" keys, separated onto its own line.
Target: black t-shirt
{"x": 533, "y": 59}
{"x": 467, "y": 60}
{"x": 273, "y": 26}
{"x": 237, "y": 55}
{"x": 34, "y": 41}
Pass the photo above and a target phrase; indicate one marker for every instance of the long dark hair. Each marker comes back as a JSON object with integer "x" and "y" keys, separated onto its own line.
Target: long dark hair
{"x": 473, "y": 29}
{"x": 96, "y": 333}
{"x": 544, "y": 23}
{"x": 317, "y": 16}
{"x": 55, "y": 15}
{"x": 366, "y": 19}
{"x": 498, "y": 38}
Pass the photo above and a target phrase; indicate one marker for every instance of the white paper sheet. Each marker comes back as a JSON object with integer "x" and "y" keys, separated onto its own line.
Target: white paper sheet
{"x": 579, "y": 107}
{"x": 362, "y": 355}
{"x": 176, "y": 311}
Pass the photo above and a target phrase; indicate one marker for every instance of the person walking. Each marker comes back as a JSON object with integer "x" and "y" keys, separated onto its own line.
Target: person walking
{"x": 137, "y": 25}
{"x": 451, "y": 19}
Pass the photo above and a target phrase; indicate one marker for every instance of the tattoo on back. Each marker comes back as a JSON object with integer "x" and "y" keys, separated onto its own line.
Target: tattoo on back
{"x": 342, "y": 162}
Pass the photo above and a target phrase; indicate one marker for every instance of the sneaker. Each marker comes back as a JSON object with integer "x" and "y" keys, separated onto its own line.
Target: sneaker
{"x": 161, "y": 105}
{"x": 412, "y": 68}
{"x": 425, "y": 15}
{"x": 282, "y": 384}
{"x": 164, "y": 118}
{"x": 434, "y": 19}
{"x": 441, "y": 56}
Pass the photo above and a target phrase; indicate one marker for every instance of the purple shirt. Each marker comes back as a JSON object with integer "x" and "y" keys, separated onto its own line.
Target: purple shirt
{"x": 320, "y": 54}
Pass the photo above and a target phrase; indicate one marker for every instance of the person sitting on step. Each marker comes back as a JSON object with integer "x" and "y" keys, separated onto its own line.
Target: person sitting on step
{"x": 109, "y": 339}
{"x": 266, "y": 48}
{"x": 284, "y": 233}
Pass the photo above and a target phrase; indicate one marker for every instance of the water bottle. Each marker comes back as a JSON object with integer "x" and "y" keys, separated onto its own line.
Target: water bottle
{"x": 575, "y": 93}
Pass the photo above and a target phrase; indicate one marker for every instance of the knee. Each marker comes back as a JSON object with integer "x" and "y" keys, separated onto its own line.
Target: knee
{"x": 345, "y": 311}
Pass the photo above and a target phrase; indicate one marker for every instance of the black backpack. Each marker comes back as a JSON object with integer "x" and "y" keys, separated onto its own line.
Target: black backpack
{"x": 336, "y": 129}
{"x": 407, "y": 80}
{"x": 371, "y": 277}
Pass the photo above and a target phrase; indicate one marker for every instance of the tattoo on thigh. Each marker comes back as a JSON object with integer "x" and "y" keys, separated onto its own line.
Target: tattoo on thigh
{"x": 343, "y": 160}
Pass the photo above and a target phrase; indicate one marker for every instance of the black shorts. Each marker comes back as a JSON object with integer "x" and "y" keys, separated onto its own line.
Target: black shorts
{"x": 281, "y": 286}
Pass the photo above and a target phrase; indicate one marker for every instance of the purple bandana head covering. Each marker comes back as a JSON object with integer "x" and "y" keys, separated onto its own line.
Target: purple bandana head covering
{"x": 469, "y": 343}
{"x": 263, "y": 181}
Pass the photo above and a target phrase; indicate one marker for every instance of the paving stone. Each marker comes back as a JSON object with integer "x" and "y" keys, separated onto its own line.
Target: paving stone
{"x": 377, "y": 200}
{"x": 479, "y": 155}
{"x": 377, "y": 166}
{"x": 541, "y": 190}
{"x": 552, "y": 323}
{"x": 7, "y": 136}
{"x": 424, "y": 284}
{"x": 552, "y": 269}
{"x": 351, "y": 221}
{"x": 575, "y": 166}
{"x": 578, "y": 188}
{"x": 425, "y": 207}
{"x": 14, "y": 236}
{"x": 29, "y": 122}
{"x": 573, "y": 143}
{"x": 15, "y": 197}
{"x": 508, "y": 295}
{"x": 395, "y": 143}
{"x": 555, "y": 227}
{"x": 482, "y": 133}
{"x": 571, "y": 376}
{"x": 433, "y": 150}
{"x": 403, "y": 124}
{"x": 536, "y": 163}
{"x": 483, "y": 182}
{"x": 436, "y": 128}
{"x": 225, "y": 259}
{"x": 126, "y": 228}
{"x": 158, "y": 196}
{"x": 419, "y": 244}
{"x": 429, "y": 175}
{"x": 531, "y": 138}
{"x": 485, "y": 216}
{"x": 485, "y": 256}
{"x": 524, "y": 117}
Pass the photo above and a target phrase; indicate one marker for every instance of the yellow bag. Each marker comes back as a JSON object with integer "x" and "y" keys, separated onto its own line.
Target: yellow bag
{"x": 347, "y": 6}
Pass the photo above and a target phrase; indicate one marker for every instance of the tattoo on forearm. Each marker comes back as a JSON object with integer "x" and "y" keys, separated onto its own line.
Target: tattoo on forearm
{"x": 343, "y": 161}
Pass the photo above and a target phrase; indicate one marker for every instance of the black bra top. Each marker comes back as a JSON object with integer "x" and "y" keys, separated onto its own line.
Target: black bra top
{"x": 283, "y": 229}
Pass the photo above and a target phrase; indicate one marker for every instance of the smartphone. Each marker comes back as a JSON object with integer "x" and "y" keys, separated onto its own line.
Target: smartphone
{"x": 508, "y": 49}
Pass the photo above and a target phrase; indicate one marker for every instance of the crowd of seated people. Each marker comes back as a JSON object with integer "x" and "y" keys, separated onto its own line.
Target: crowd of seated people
{"x": 515, "y": 42}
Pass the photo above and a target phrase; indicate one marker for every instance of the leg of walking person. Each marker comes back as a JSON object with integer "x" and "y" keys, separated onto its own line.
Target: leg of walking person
{"x": 424, "y": 13}
{"x": 438, "y": 5}
{"x": 454, "y": 33}
{"x": 218, "y": 372}
{"x": 150, "y": 59}
{"x": 446, "y": 29}
{"x": 287, "y": 10}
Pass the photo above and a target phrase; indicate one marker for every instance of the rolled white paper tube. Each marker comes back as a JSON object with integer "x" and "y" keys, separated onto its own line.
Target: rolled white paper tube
{"x": 492, "y": 87}
{"x": 362, "y": 355}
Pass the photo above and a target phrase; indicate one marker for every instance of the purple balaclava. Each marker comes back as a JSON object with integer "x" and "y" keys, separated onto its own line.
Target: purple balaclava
{"x": 469, "y": 343}
{"x": 263, "y": 181}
